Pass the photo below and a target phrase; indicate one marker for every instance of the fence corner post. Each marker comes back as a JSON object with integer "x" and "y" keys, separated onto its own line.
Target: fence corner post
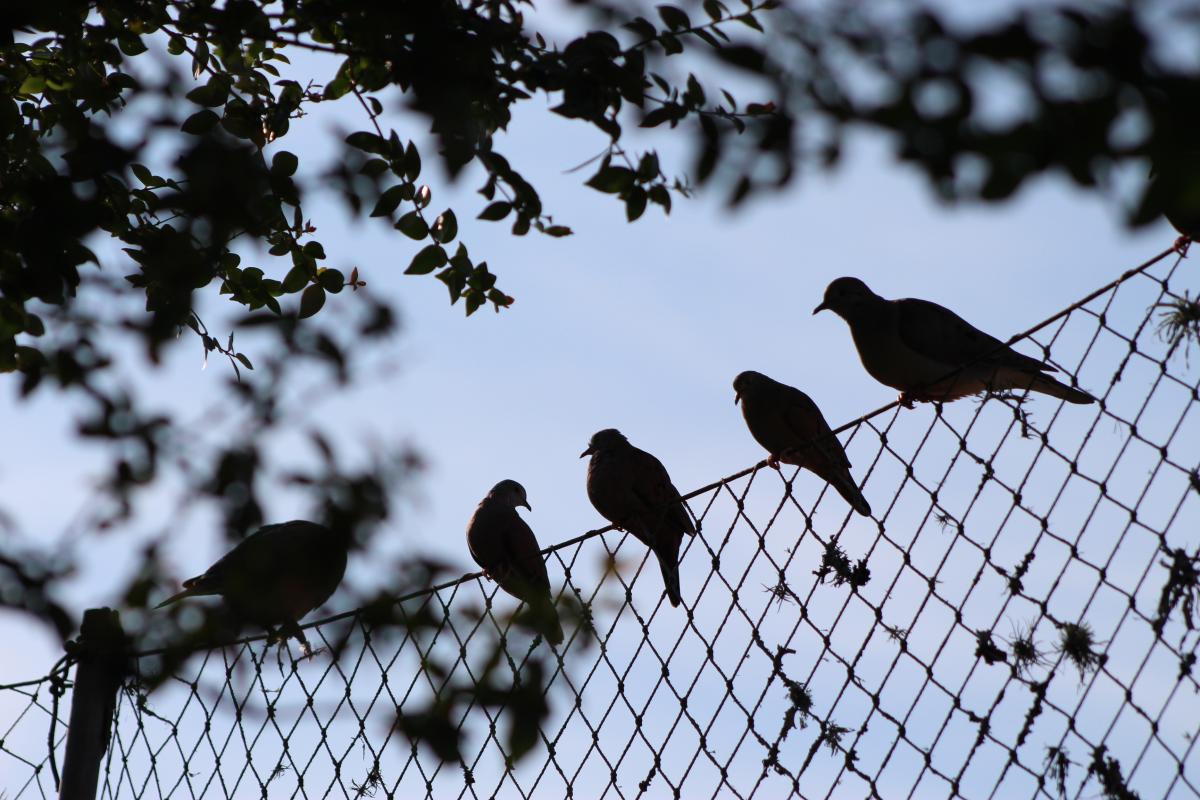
{"x": 98, "y": 675}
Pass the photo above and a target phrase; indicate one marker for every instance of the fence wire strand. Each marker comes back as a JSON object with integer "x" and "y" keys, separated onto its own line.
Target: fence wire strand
{"x": 1017, "y": 620}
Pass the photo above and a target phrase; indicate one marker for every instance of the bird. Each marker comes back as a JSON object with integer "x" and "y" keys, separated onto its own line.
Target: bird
{"x": 789, "y": 425}
{"x": 503, "y": 544}
{"x": 1174, "y": 189}
{"x": 632, "y": 490}
{"x": 275, "y": 576}
{"x": 930, "y": 353}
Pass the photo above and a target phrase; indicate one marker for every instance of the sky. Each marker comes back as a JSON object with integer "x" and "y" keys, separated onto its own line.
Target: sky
{"x": 641, "y": 327}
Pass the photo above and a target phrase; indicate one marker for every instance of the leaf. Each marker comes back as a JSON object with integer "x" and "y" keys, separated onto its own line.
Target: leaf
{"x": 413, "y": 226}
{"x": 34, "y": 84}
{"x": 496, "y": 211}
{"x": 388, "y": 201}
{"x": 245, "y": 361}
{"x": 200, "y": 122}
{"x": 557, "y": 231}
{"x": 130, "y": 44}
{"x": 641, "y": 27}
{"x": 445, "y": 227}
{"x": 674, "y": 18}
{"x": 311, "y": 301}
{"x": 665, "y": 113}
{"x": 142, "y": 174}
{"x": 200, "y": 59}
{"x": 426, "y": 261}
{"x": 475, "y": 299}
{"x": 214, "y": 93}
{"x": 412, "y": 162}
{"x": 749, "y": 20}
{"x": 612, "y": 179}
{"x": 648, "y": 167}
{"x": 635, "y": 203}
{"x": 660, "y": 195}
{"x": 370, "y": 142}
{"x": 461, "y": 260}
{"x": 284, "y": 163}
{"x": 332, "y": 280}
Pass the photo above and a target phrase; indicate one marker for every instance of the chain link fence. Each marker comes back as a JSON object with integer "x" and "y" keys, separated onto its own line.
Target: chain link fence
{"x": 1016, "y": 620}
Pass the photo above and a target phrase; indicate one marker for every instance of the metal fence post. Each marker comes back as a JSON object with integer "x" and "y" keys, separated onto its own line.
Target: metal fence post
{"x": 101, "y": 667}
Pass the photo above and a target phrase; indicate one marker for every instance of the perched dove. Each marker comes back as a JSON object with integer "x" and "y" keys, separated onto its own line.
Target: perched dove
{"x": 504, "y": 545}
{"x": 789, "y": 425}
{"x": 276, "y": 575}
{"x": 930, "y": 353}
{"x": 1175, "y": 190}
{"x": 632, "y": 490}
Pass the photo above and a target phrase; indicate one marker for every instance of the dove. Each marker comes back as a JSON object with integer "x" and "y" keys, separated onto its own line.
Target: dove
{"x": 505, "y": 547}
{"x": 930, "y": 353}
{"x": 632, "y": 490}
{"x": 275, "y": 576}
{"x": 1175, "y": 190}
{"x": 789, "y": 425}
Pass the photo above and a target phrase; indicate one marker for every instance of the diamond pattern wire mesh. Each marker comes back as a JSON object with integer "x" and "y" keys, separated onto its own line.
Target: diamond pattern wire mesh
{"x": 1015, "y": 621}
{"x": 32, "y": 726}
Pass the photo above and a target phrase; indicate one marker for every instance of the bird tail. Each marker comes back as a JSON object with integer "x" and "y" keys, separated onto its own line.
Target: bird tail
{"x": 175, "y": 598}
{"x": 546, "y": 622}
{"x": 1047, "y": 385}
{"x": 551, "y": 628}
{"x": 540, "y": 615}
{"x": 670, "y": 573}
{"x": 192, "y": 587}
{"x": 848, "y": 489}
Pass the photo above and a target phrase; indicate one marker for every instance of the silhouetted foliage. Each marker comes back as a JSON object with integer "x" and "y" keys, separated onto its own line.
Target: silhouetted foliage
{"x": 92, "y": 95}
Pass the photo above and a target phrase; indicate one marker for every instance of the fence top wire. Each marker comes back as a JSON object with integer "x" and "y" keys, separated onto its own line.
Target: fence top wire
{"x": 903, "y": 682}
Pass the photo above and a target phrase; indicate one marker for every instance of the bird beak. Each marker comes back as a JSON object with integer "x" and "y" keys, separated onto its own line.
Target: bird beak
{"x": 821, "y": 307}
{"x": 587, "y": 452}
{"x": 527, "y": 506}
{"x": 737, "y": 398}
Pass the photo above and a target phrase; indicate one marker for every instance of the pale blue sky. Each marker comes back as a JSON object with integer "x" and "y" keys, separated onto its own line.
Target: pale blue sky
{"x": 640, "y": 327}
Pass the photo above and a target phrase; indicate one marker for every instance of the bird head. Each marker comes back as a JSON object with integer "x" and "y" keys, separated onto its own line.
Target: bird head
{"x": 845, "y": 296}
{"x": 745, "y": 382}
{"x": 606, "y": 439}
{"x": 511, "y": 493}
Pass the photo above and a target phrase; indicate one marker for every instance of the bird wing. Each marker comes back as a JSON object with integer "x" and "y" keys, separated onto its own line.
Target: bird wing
{"x": 255, "y": 559}
{"x": 504, "y": 545}
{"x": 484, "y": 539}
{"x": 277, "y": 573}
{"x": 659, "y": 498}
{"x": 524, "y": 553}
{"x": 807, "y": 423}
{"x": 939, "y": 334}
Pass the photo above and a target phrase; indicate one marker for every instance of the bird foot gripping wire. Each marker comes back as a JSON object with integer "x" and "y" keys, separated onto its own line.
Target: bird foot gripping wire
{"x": 1181, "y": 245}
{"x": 290, "y": 630}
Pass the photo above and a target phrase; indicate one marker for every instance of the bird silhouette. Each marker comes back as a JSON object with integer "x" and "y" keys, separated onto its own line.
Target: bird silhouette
{"x": 505, "y": 547}
{"x": 930, "y": 353}
{"x": 789, "y": 425}
{"x": 275, "y": 576}
{"x": 632, "y": 490}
